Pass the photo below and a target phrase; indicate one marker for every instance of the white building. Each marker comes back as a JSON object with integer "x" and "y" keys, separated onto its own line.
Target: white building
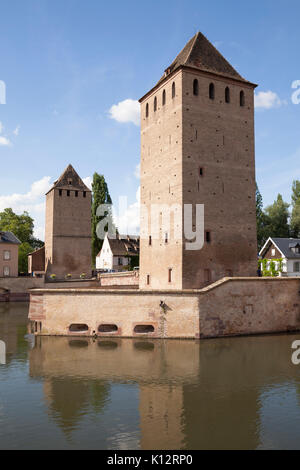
{"x": 118, "y": 254}
{"x": 287, "y": 249}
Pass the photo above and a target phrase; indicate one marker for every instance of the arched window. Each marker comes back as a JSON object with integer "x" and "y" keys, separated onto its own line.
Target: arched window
{"x": 227, "y": 95}
{"x": 195, "y": 87}
{"x": 147, "y": 110}
{"x": 155, "y": 104}
{"x": 211, "y": 91}
{"x": 242, "y": 98}
{"x": 173, "y": 90}
{"x": 164, "y": 97}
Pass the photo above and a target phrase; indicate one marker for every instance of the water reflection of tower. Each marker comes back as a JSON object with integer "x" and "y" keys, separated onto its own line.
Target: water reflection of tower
{"x": 72, "y": 374}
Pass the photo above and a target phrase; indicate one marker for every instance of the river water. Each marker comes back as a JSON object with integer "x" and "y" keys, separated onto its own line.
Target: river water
{"x": 62, "y": 393}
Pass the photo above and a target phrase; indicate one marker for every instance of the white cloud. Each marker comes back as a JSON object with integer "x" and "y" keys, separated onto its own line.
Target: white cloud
{"x": 17, "y": 130}
{"x": 128, "y": 222}
{"x": 4, "y": 142}
{"x": 88, "y": 182}
{"x": 267, "y": 100}
{"x": 33, "y": 202}
{"x": 126, "y": 111}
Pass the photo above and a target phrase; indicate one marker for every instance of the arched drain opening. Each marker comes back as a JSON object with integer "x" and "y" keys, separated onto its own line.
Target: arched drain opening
{"x": 108, "y": 344}
{"x": 78, "y": 328}
{"x": 77, "y": 343}
{"x": 144, "y": 346}
{"x": 106, "y": 328}
{"x": 144, "y": 329}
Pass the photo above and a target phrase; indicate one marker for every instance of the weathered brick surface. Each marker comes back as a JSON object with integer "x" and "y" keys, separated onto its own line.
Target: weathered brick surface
{"x": 230, "y": 307}
{"x": 188, "y": 133}
{"x": 119, "y": 279}
{"x": 68, "y": 233}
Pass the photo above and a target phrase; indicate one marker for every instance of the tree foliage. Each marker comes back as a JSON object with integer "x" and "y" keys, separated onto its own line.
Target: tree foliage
{"x": 100, "y": 196}
{"x": 261, "y": 219}
{"x": 277, "y": 219}
{"x": 22, "y": 227}
{"x": 295, "y": 215}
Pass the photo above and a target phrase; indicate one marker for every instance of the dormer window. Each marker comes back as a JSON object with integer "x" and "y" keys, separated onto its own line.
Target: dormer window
{"x": 295, "y": 248}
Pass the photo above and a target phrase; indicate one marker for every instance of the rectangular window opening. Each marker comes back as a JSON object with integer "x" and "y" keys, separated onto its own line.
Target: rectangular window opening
{"x": 207, "y": 237}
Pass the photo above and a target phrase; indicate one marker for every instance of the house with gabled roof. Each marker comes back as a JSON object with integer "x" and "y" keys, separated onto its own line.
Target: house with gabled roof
{"x": 118, "y": 254}
{"x": 9, "y": 251}
{"x": 285, "y": 249}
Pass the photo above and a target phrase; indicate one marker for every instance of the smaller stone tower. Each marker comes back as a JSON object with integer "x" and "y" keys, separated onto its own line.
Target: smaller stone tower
{"x": 68, "y": 227}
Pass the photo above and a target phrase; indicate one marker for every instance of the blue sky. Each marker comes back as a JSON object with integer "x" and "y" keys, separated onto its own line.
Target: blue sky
{"x": 66, "y": 63}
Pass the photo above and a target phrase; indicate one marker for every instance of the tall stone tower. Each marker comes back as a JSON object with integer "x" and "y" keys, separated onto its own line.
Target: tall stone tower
{"x": 68, "y": 227}
{"x": 197, "y": 147}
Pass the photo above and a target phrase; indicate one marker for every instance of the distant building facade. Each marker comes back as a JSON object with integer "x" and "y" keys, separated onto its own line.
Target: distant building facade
{"x": 68, "y": 227}
{"x": 118, "y": 254}
{"x": 197, "y": 147}
{"x": 36, "y": 262}
{"x": 285, "y": 249}
{"x": 9, "y": 254}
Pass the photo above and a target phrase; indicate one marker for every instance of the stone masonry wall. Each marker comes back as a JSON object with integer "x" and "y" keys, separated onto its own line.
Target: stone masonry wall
{"x": 130, "y": 278}
{"x": 230, "y": 307}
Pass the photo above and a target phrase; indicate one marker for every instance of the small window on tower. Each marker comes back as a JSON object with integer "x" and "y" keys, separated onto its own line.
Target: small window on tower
{"x": 207, "y": 237}
{"x": 211, "y": 91}
{"x": 60, "y": 192}
{"x": 201, "y": 171}
{"x": 155, "y": 104}
{"x": 227, "y": 95}
{"x": 166, "y": 237}
{"x": 84, "y": 193}
{"x": 148, "y": 279}
{"x": 242, "y": 98}
{"x": 173, "y": 90}
{"x": 195, "y": 87}
{"x": 170, "y": 274}
{"x": 76, "y": 193}
{"x": 150, "y": 240}
{"x": 147, "y": 110}
{"x": 69, "y": 181}
{"x": 164, "y": 98}
{"x": 68, "y": 193}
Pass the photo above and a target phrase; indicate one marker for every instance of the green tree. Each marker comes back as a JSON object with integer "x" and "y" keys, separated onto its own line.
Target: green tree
{"x": 261, "y": 220}
{"x": 295, "y": 216}
{"x": 22, "y": 227}
{"x": 100, "y": 196}
{"x": 277, "y": 223}
{"x": 24, "y": 250}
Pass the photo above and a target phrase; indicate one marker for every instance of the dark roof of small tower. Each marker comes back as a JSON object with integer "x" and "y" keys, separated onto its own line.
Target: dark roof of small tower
{"x": 70, "y": 180}
{"x": 199, "y": 53}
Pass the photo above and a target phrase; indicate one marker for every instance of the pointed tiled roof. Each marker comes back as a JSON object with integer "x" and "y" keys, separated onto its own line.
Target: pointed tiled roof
{"x": 199, "y": 53}
{"x": 70, "y": 180}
